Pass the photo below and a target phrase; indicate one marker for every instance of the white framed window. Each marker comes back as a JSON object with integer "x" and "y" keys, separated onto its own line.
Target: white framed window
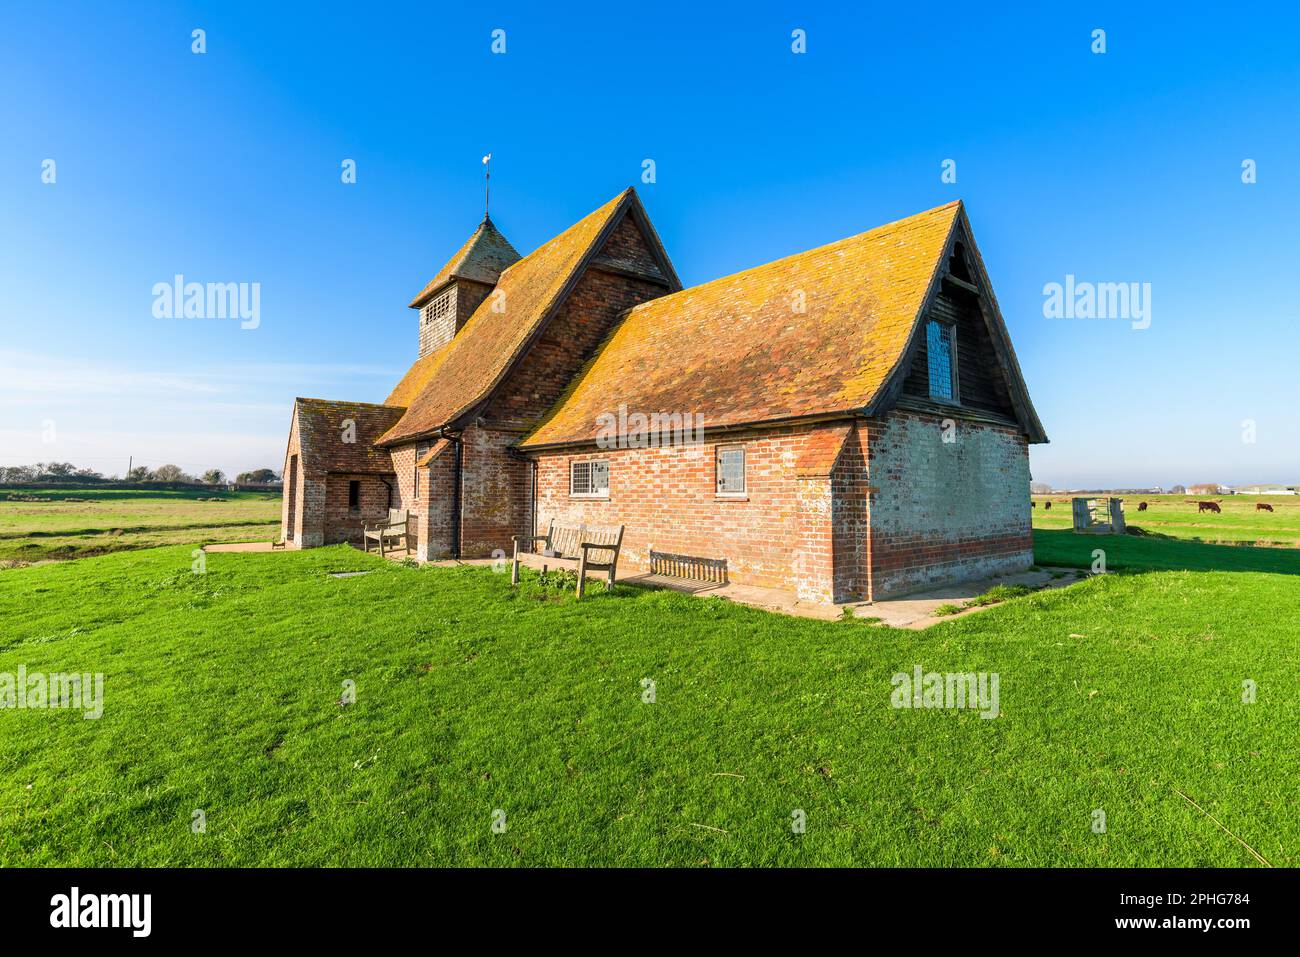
{"x": 730, "y": 466}
{"x": 589, "y": 479}
{"x": 941, "y": 352}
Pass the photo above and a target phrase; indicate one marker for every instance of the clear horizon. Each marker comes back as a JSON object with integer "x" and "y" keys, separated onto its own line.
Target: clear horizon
{"x": 1121, "y": 167}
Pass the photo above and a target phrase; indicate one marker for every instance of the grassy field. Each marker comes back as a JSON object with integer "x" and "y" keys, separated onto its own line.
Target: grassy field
{"x": 44, "y": 524}
{"x": 1121, "y": 694}
{"x": 1171, "y": 515}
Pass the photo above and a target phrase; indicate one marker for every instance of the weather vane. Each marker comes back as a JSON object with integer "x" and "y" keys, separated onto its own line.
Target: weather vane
{"x": 487, "y": 183}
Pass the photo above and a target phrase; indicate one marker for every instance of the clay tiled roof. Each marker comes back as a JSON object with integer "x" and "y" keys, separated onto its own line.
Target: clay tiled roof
{"x": 490, "y": 342}
{"x": 321, "y": 430}
{"x": 483, "y": 258}
{"x": 417, "y": 377}
{"x": 815, "y": 333}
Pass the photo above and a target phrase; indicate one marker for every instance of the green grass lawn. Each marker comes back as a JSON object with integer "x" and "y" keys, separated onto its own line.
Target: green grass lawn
{"x": 44, "y": 524}
{"x": 1170, "y": 515}
{"x": 222, "y": 694}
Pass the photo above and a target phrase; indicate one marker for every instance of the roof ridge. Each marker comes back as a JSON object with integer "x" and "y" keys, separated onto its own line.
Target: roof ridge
{"x": 797, "y": 255}
{"x": 377, "y": 405}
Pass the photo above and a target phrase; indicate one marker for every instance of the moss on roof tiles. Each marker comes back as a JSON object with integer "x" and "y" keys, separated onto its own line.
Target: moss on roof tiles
{"x": 417, "y": 377}
{"x": 816, "y": 333}
{"x": 322, "y": 429}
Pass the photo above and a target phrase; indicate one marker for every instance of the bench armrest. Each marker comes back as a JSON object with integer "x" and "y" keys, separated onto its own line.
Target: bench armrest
{"x": 528, "y": 538}
{"x": 586, "y": 546}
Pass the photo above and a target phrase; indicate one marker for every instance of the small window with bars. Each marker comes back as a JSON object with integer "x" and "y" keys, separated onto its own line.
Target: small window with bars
{"x": 438, "y": 308}
{"x": 731, "y": 471}
{"x": 589, "y": 479}
{"x": 354, "y": 496}
{"x": 940, "y": 343}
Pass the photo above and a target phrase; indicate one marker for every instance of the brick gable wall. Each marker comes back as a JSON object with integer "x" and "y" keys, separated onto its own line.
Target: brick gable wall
{"x": 627, "y": 248}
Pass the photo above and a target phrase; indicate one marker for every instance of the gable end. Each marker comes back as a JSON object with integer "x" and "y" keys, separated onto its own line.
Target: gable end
{"x": 989, "y": 386}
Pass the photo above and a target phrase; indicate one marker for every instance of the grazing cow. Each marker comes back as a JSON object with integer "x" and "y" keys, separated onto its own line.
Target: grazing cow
{"x": 1142, "y": 506}
{"x": 1263, "y": 507}
{"x": 1033, "y": 505}
{"x": 1207, "y": 507}
{"x": 1046, "y": 506}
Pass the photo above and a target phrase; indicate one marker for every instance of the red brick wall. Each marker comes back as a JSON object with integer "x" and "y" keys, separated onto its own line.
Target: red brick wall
{"x": 778, "y": 536}
{"x": 627, "y": 248}
{"x": 291, "y": 497}
{"x": 434, "y": 518}
{"x": 495, "y": 492}
{"x": 945, "y": 512}
{"x": 852, "y": 518}
{"x": 310, "y": 524}
{"x": 494, "y": 495}
{"x": 342, "y": 524}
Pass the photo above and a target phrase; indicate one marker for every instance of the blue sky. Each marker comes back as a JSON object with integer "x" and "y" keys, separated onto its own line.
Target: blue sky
{"x": 225, "y": 167}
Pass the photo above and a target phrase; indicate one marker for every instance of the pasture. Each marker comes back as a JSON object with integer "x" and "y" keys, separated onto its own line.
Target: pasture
{"x": 42, "y": 524}
{"x": 1173, "y": 515}
{"x": 477, "y": 704}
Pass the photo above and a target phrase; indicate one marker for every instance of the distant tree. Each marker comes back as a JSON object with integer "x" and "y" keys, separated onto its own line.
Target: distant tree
{"x": 88, "y": 474}
{"x": 169, "y": 473}
{"x": 57, "y": 469}
{"x": 257, "y": 477}
{"x": 1178, "y": 490}
{"x": 19, "y": 474}
{"x": 140, "y": 473}
{"x": 1040, "y": 488}
{"x": 214, "y": 477}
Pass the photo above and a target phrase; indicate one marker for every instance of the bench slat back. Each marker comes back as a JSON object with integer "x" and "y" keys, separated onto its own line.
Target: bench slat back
{"x": 396, "y": 516}
{"x": 566, "y": 540}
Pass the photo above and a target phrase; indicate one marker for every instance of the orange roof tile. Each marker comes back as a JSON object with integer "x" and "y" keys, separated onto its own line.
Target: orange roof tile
{"x": 484, "y": 350}
{"x": 483, "y": 258}
{"x": 417, "y": 377}
{"x": 816, "y": 333}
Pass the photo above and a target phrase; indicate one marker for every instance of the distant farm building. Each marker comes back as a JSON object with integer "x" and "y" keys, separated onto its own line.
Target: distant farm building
{"x": 1267, "y": 489}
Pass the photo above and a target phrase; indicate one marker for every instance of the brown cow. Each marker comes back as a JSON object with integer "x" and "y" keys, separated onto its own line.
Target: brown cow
{"x": 1142, "y": 506}
{"x": 1207, "y": 507}
{"x": 1263, "y": 507}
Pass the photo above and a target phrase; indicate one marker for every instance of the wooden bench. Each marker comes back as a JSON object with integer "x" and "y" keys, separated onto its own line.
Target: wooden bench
{"x": 396, "y": 528}
{"x": 583, "y": 548}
